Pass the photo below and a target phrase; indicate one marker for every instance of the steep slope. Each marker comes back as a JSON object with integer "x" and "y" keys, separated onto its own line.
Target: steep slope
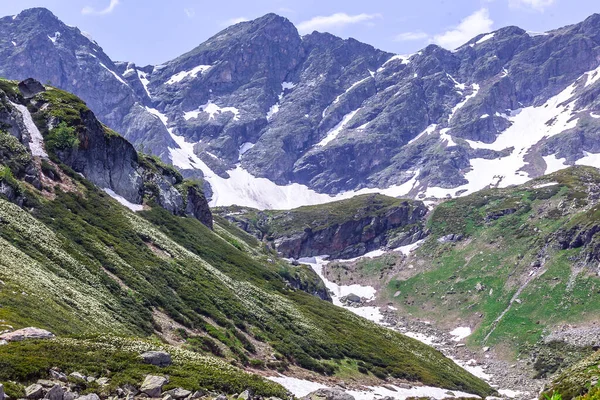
{"x": 35, "y": 43}
{"x": 76, "y": 262}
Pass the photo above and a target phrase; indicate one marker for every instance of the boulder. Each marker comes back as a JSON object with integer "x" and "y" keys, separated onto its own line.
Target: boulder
{"x": 91, "y": 396}
{"x": 58, "y": 375}
{"x": 221, "y": 397}
{"x": 153, "y": 385}
{"x": 353, "y": 298}
{"x": 328, "y": 394}
{"x": 56, "y": 393}
{"x": 78, "y": 375}
{"x": 158, "y": 358}
{"x": 1, "y": 391}
{"x": 30, "y": 87}
{"x": 245, "y": 395}
{"x": 178, "y": 393}
{"x": 35, "y": 391}
{"x": 26, "y": 333}
{"x": 103, "y": 381}
{"x": 70, "y": 396}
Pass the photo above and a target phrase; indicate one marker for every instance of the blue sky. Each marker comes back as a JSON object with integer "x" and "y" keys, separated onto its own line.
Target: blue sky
{"x": 154, "y": 31}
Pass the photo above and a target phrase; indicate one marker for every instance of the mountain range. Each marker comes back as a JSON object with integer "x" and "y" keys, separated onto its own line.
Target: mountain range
{"x": 272, "y": 119}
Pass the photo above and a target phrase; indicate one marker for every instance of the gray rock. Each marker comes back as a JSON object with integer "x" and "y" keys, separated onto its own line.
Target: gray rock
{"x": 1, "y": 391}
{"x": 328, "y": 394}
{"x": 167, "y": 397}
{"x": 178, "y": 393}
{"x": 35, "y": 391}
{"x": 153, "y": 384}
{"x": 352, "y": 298}
{"x": 30, "y": 87}
{"x": 70, "y": 396}
{"x": 58, "y": 375}
{"x": 55, "y": 393}
{"x": 78, "y": 375}
{"x": 245, "y": 395}
{"x": 158, "y": 358}
{"x": 198, "y": 394}
{"x": 103, "y": 381}
{"x": 91, "y": 396}
{"x": 25, "y": 334}
{"x": 221, "y": 397}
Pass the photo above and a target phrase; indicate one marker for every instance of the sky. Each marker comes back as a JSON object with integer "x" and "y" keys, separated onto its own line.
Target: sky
{"x": 155, "y": 31}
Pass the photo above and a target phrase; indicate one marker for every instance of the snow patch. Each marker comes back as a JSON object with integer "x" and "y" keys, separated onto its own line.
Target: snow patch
{"x": 590, "y": 159}
{"x": 132, "y": 206}
{"x": 406, "y": 250}
{"x": 404, "y": 58}
{"x": 592, "y": 114}
{"x": 143, "y": 76}
{"x": 14, "y": 43}
{"x": 430, "y": 129}
{"x": 272, "y": 111}
{"x": 486, "y": 38}
{"x": 244, "y": 148}
{"x": 114, "y": 74}
{"x": 460, "y": 333}
{"x": 36, "y": 140}
{"x": 332, "y": 134}
{"x": 178, "y": 77}
{"x": 212, "y": 110}
{"x": 554, "y": 164}
{"x": 55, "y": 37}
{"x": 444, "y": 136}
{"x": 543, "y": 185}
{"x": 288, "y": 85}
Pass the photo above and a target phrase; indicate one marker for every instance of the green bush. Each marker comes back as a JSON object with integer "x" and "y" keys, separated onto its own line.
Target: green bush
{"x": 62, "y": 137}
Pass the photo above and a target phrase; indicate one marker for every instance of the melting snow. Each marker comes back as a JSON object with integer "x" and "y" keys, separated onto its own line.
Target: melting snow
{"x": 244, "y": 148}
{"x": 114, "y": 73}
{"x": 36, "y": 141}
{"x": 485, "y": 38}
{"x": 55, "y": 37}
{"x": 332, "y": 134}
{"x": 543, "y": 185}
{"x": 589, "y": 159}
{"x": 554, "y": 164}
{"x": 123, "y": 200}
{"x": 178, "y": 77}
{"x": 592, "y": 77}
{"x": 406, "y": 250}
{"x": 272, "y": 111}
{"x": 591, "y": 114}
{"x": 288, "y": 85}
{"x": 212, "y": 109}
{"x": 460, "y": 333}
{"x": 144, "y": 80}
{"x": 430, "y": 129}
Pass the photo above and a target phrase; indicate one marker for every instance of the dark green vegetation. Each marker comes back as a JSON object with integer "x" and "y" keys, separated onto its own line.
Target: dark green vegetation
{"x": 525, "y": 261}
{"x": 579, "y": 381}
{"x": 79, "y": 264}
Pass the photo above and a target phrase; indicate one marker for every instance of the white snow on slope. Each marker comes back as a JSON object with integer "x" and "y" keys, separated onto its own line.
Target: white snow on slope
{"x": 332, "y": 134}
{"x": 475, "y": 90}
{"x": 272, "y": 111}
{"x": 114, "y": 74}
{"x": 301, "y": 387}
{"x": 592, "y": 77}
{"x": 123, "y": 200}
{"x": 337, "y": 99}
{"x": 288, "y": 85}
{"x": 55, "y": 37}
{"x": 14, "y": 43}
{"x": 589, "y": 159}
{"x": 554, "y": 164}
{"x": 178, "y": 77}
{"x": 36, "y": 141}
{"x": 244, "y": 148}
{"x": 406, "y": 250}
{"x": 460, "y": 333}
{"x": 529, "y": 126}
{"x": 212, "y": 109}
{"x": 430, "y": 129}
{"x": 486, "y": 38}
{"x": 145, "y": 81}
{"x": 405, "y": 60}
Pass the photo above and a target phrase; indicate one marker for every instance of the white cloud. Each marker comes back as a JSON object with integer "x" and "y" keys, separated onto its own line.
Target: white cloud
{"x": 92, "y": 11}
{"x": 538, "y": 5}
{"x": 471, "y": 26}
{"x": 409, "y": 36}
{"x": 338, "y": 20}
{"x": 190, "y": 12}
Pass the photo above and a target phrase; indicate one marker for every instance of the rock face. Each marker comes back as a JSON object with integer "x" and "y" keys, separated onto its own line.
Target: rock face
{"x": 34, "y": 392}
{"x": 25, "y": 334}
{"x": 344, "y": 229}
{"x": 158, "y": 358}
{"x": 102, "y": 156}
{"x": 152, "y": 385}
{"x": 333, "y": 114}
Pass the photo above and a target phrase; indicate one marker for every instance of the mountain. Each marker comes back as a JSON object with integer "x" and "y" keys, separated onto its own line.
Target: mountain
{"x": 106, "y": 278}
{"x": 318, "y": 115}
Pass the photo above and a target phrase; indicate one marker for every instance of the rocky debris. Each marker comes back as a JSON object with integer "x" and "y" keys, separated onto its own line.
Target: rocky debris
{"x": 328, "y": 394}
{"x": 56, "y": 374}
{"x": 451, "y": 238}
{"x": 579, "y": 337}
{"x": 55, "y": 393}
{"x": 153, "y": 385}
{"x": 30, "y": 87}
{"x": 34, "y": 392}
{"x": 158, "y": 358}
{"x": 26, "y": 334}
{"x": 178, "y": 393}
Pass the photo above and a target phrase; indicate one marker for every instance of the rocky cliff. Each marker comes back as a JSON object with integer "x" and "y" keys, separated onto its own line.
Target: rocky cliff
{"x": 342, "y": 229}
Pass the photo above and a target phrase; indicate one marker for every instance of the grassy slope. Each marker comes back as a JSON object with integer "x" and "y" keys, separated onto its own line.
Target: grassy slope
{"x": 498, "y": 253}
{"x": 80, "y": 264}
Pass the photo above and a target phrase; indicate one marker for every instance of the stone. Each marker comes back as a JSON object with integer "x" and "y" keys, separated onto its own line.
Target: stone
{"x": 58, "y": 375}
{"x": 103, "y": 381}
{"x": 35, "y": 391}
{"x": 245, "y": 395}
{"x": 90, "y": 379}
{"x": 353, "y": 298}
{"x": 91, "y": 396}
{"x": 329, "y": 394}
{"x": 27, "y": 333}
{"x": 153, "y": 384}
{"x": 1, "y": 391}
{"x": 158, "y": 358}
{"x": 198, "y": 393}
{"x": 70, "y": 396}
{"x": 178, "y": 393}
{"x": 30, "y": 87}
{"x": 78, "y": 375}
{"x": 46, "y": 383}
{"x": 221, "y": 397}
{"x": 167, "y": 397}
{"x": 56, "y": 393}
